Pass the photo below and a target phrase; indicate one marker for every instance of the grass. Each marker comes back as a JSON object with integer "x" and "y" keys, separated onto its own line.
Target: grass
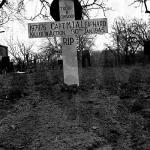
{"x": 109, "y": 105}
{"x": 116, "y": 91}
{"x": 12, "y": 89}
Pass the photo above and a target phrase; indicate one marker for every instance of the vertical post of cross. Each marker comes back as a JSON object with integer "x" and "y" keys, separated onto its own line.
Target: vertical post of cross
{"x": 69, "y": 52}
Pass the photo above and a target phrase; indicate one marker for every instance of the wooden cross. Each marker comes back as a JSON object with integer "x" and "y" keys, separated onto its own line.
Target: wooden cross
{"x": 69, "y": 52}
{"x": 67, "y": 28}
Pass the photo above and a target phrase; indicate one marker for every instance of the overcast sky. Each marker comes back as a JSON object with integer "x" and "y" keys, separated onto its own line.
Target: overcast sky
{"x": 119, "y": 8}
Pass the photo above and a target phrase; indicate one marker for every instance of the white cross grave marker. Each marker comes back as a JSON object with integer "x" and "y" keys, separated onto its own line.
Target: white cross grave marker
{"x": 69, "y": 52}
{"x": 67, "y": 28}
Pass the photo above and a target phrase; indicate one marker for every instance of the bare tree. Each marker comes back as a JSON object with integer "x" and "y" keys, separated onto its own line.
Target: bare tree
{"x": 141, "y": 3}
{"x": 121, "y": 35}
{"x": 50, "y": 47}
{"x": 139, "y": 28}
{"x": 19, "y": 10}
{"x": 129, "y": 36}
{"x": 18, "y": 49}
{"x": 2, "y": 3}
{"x": 24, "y": 49}
{"x": 85, "y": 41}
{"x": 49, "y": 50}
{"x": 88, "y": 6}
{"x": 9, "y": 12}
{"x": 47, "y": 53}
{"x": 44, "y": 6}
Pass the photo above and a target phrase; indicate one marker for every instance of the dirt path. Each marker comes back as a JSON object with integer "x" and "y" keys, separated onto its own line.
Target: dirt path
{"x": 59, "y": 128}
{"x": 44, "y": 120}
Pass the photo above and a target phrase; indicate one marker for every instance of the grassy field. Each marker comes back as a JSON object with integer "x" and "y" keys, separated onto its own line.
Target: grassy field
{"x": 110, "y": 111}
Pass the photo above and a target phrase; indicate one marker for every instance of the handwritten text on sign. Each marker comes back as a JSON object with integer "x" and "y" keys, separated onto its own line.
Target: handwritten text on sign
{"x": 63, "y": 28}
{"x": 66, "y": 9}
{"x": 68, "y": 41}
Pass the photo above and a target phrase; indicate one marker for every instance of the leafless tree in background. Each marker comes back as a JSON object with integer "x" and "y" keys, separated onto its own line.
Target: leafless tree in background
{"x": 49, "y": 48}
{"x": 129, "y": 36}
{"x": 141, "y": 3}
{"x": 43, "y": 12}
{"x": 9, "y": 12}
{"x": 2, "y": 3}
{"x": 19, "y": 50}
{"x": 3, "y": 15}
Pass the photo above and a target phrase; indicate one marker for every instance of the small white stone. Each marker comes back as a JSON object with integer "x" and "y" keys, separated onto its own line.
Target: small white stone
{"x": 13, "y": 126}
{"x": 105, "y": 147}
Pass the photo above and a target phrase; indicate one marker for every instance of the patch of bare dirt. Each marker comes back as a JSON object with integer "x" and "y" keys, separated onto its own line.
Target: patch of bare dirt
{"x": 107, "y": 112}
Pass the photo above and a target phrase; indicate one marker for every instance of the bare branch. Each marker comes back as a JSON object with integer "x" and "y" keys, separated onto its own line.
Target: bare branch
{"x": 129, "y": 35}
{"x": 3, "y": 3}
{"x": 146, "y": 9}
{"x": 141, "y": 2}
{"x": 136, "y": 1}
{"x": 94, "y": 4}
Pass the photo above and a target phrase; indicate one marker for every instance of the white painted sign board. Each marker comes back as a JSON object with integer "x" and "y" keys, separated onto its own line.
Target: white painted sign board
{"x": 63, "y": 28}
